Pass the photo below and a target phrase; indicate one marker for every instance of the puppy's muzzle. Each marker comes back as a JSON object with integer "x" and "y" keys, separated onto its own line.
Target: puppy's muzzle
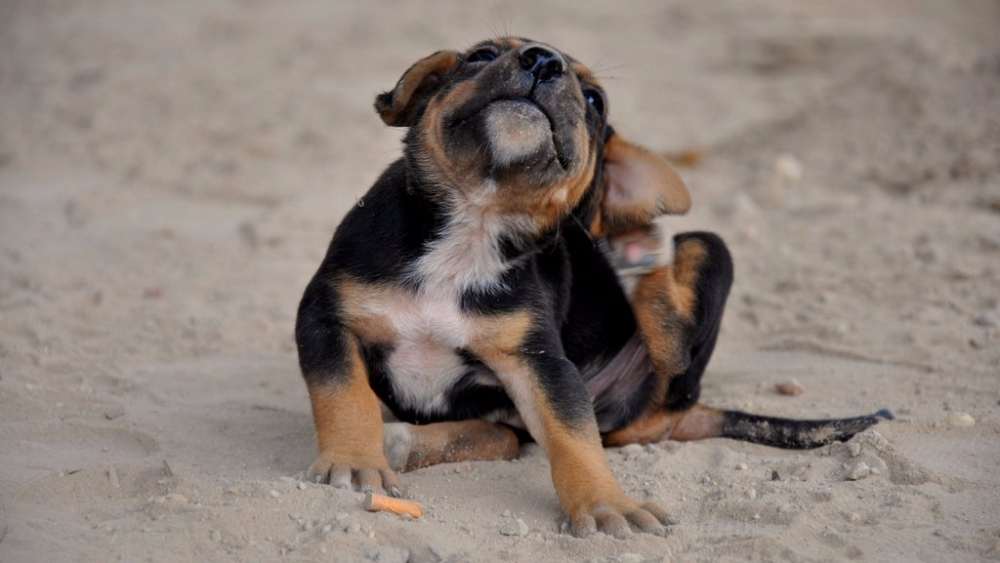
{"x": 519, "y": 130}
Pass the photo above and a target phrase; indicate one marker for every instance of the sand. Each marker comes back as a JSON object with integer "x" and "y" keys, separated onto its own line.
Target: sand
{"x": 171, "y": 172}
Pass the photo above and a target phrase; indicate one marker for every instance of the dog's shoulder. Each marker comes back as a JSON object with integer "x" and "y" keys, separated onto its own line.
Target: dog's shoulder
{"x": 384, "y": 231}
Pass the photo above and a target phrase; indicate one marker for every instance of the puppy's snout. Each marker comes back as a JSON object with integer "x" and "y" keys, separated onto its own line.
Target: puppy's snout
{"x": 543, "y": 63}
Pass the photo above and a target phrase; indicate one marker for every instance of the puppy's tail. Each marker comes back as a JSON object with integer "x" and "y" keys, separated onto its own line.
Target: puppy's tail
{"x": 699, "y": 422}
{"x": 792, "y": 433}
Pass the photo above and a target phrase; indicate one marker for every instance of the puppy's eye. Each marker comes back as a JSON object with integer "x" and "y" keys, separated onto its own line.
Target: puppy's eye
{"x": 595, "y": 99}
{"x": 483, "y": 55}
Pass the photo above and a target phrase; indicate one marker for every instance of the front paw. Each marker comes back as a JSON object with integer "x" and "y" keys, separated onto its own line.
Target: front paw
{"x": 348, "y": 472}
{"x": 613, "y": 517}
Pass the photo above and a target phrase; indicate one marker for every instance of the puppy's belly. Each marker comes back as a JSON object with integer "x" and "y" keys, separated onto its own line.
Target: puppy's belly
{"x": 423, "y": 371}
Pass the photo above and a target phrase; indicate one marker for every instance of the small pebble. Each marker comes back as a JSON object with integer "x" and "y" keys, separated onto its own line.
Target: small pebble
{"x": 742, "y": 467}
{"x": 440, "y": 550}
{"x": 386, "y": 554}
{"x": 876, "y": 439}
{"x": 273, "y": 493}
{"x": 790, "y": 388}
{"x": 341, "y": 516}
{"x": 775, "y": 476}
{"x": 961, "y": 420}
{"x": 987, "y": 319}
{"x": 514, "y": 528}
{"x": 788, "y": 168}
{"x": 352, "y": 528}
{"x": 176, "y": 498}
{"x": 632, "y": 451}
{"x": 878, "y": 466}
{"x": 301, "y": 486}
{"x": 854, "y": 448}
{"x": 859, "y": 471}
{"x": 752, "y": 494}
{"x": 216, "y": 535}
{"x": 113, "y": 478}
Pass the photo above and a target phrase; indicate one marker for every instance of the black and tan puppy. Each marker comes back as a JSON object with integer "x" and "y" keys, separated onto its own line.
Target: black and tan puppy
{"x": 471, "y": 296}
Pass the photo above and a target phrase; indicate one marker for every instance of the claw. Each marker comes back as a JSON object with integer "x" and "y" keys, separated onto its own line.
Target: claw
{"x": 583, "y": 526}
{"x": 612, "y": 522}
{"x": 347, "y": 474}
{"x": 617, "y": 519}
{"x": 646, "y": 522}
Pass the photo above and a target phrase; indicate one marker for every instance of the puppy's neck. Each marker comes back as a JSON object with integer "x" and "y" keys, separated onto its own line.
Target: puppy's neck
{"x": 476, "y": 244}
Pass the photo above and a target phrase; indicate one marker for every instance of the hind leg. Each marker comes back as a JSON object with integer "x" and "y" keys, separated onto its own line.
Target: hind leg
{"x": 409, "y": 447}
{"x": 678, "y": 308}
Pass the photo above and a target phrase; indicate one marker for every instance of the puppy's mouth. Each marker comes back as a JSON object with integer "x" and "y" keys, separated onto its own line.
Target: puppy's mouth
{"x": 517, "y": 132}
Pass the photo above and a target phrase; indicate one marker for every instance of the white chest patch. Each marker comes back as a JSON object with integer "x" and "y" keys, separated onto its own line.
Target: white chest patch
{"x": 424, "y": 362}
{"x": 429, "y": 329}
{"x": 467, "y": 255}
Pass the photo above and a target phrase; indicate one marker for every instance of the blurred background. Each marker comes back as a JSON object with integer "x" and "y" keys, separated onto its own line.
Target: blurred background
{"x": 152, "y": 131}
{"x": 171, "y": 173}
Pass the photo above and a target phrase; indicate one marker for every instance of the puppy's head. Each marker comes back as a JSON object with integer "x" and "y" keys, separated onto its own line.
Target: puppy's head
{"x": 516, "y": 127}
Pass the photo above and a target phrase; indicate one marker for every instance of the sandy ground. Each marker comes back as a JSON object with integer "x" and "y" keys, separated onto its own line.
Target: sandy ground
{"x": 170, "y": 174}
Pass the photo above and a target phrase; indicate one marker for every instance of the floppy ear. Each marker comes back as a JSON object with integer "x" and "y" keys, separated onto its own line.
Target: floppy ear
{"x": 637, "y": 187}
{"x": 402, "y": 106}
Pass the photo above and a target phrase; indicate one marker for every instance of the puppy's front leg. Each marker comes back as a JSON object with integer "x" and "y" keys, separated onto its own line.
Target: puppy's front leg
{"x": 345, "y": 409}
{"x": 553, "y": 402}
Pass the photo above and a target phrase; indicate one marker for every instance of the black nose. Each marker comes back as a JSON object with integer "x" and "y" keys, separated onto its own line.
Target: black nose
{"x": 544, "y": 64}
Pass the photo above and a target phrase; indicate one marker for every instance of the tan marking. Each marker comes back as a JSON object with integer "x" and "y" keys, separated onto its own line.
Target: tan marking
{"x": 466, "y": 440}
{"x": 584, "y": 73}
{"x": 441, "y": 169}
{"x": 581, "y": 473}
{"x": 498, "y": 335}
{"x": 423, "y": 75}
{"x": 688, "y": 259}
{"x": 370, "y": 324}
{"x": 696, "y": 423}
{"x": 663, "y": 303}
{"x": 348, "y": 419}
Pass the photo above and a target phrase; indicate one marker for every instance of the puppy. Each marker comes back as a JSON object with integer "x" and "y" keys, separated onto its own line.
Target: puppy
{"x": 473, "y": 295}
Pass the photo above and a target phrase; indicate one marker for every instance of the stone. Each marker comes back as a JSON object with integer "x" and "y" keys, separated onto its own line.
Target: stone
{"x": 858, "y": 471}
{"x": 514, "y": 528}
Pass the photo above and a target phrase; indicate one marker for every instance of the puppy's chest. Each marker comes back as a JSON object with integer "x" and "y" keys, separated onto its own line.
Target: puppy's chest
{"x": 424, "y": 336}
